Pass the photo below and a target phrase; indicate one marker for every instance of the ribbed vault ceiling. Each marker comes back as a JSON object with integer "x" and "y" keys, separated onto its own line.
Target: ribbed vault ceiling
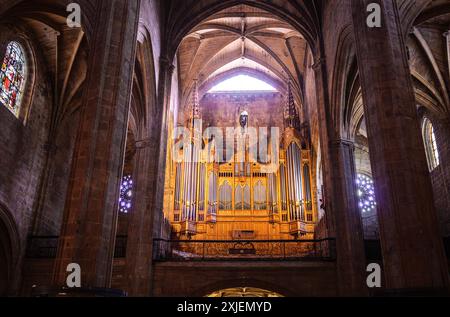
{"x": 241, "y": 39}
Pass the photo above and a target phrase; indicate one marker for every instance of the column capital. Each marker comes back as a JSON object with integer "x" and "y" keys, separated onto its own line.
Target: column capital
{"x": 197, "y": 36}
{"x": 142, "y": 144}
{"x": 166, "y": 63}
{"x": 342, "y": 142}
{"x": 290, "y": 35}
{"x": 318, "y": 62}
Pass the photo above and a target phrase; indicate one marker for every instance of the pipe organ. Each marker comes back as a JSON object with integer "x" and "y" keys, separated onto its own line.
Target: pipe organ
{"x": 214, "y": 200}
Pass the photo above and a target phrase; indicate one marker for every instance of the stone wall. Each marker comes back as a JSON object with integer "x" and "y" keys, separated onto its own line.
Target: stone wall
{"x": 223, "y": 109}
{"x": 22, "y": 143}
{"x": 294, "y": 279}
{"x": 440, "y": 176}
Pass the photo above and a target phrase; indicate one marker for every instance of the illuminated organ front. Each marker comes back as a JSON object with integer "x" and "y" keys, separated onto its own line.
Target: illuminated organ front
{"x": 245, "y": 195}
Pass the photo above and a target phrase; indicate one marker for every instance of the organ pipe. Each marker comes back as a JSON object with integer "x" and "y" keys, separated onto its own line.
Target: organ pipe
{"x": 295, "y": 194}
{"x": 212, "y": 196}
{"x": 308, "y": 194}
{"x": 283, "y": 187}
{"x": 178, "y": 177}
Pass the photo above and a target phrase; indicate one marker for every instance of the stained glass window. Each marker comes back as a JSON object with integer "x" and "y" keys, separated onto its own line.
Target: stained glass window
{"x": 12, "y": 77}
{"x": 366, "y": 193}
{"x": 126, "y": 194}
{"x": 429, "y": 138}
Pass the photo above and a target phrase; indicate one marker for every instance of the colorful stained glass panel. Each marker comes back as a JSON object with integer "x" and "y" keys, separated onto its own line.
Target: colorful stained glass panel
{"x": 366, "y": 193}
{"x": 12, "y": 77}
{"x": 126, "y": 194}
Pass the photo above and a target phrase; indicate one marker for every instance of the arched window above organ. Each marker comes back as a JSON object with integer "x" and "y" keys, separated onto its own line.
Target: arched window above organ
{"x": 13, "y": 75}
{"x": 242, "y": 82}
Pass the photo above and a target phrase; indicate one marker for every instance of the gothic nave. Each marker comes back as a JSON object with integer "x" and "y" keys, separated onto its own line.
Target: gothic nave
{"x": 233, "y": 148}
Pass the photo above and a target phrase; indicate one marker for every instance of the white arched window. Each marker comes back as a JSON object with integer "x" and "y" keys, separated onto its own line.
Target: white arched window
{"x": 429, "y": 139}
{"x": 12, "y": 77}
{"x": 242, "y": 82}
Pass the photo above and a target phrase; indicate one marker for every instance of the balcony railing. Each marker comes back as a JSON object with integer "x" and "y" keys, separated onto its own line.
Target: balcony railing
{"x": 42, "y": 247}
{"x": 45, "y": 247}
{"x": 213, "y": 250}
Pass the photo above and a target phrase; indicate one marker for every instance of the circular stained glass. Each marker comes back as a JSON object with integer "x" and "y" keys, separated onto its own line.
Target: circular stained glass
{"x": 126, "y": 194}
{"x": 366, "y": 193}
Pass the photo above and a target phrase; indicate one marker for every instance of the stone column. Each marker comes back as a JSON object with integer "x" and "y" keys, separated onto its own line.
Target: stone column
{"x": 341, "y": 205}
{"x": 140, "y": 243}
{"x": 145, "y": 219}
{"x": 412, "y": 249}
{"x": 90, "y": 216}
{"x": 441, "y": 175}
{"x": 447, "y": 45}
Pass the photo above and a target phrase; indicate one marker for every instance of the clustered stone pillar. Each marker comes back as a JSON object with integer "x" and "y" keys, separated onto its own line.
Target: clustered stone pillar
{"x": 447, "y": 45}
{"x": 90, "y": 216}
{"x": 342, "y": 213}
{"x": 146, "y": 216}
{"x": 164, "y": 99}
{"x": 413, "y": 254}
{"x": 441, "y": 175}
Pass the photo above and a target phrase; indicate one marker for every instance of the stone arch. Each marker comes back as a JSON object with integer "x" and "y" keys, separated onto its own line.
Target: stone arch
{"x": 308, "y": 27}
{"x": 58, "y": 11}
{"x": 143, "y": 108}
{"x": 346, "y": 92}
{"x": 429, "y": 93}
{"x": 196, "y": 14}
{"x": 10, "y": 249}
{"x": 244, "y": 282}
{"x": 142, "y": 128}
{"x": 415, "y": 13}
